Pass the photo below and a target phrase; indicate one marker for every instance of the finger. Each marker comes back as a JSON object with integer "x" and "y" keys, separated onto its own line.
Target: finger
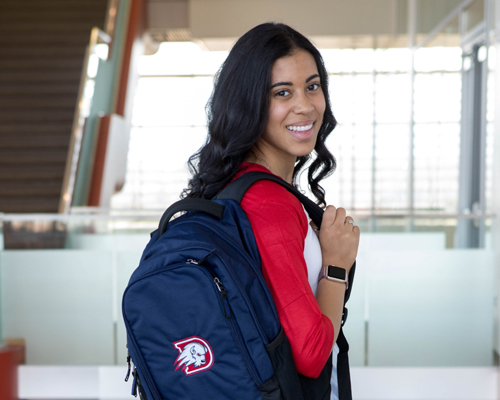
{"x": 329, "y": 215}
{"x": 315, "y": 227}
{"x": 340, "y": 216}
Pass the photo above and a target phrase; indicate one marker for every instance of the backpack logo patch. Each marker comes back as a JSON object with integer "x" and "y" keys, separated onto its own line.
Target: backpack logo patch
{"x": 195, "y": 355}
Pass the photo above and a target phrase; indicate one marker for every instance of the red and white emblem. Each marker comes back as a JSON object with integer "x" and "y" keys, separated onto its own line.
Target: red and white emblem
{"x": 195, "y": 355}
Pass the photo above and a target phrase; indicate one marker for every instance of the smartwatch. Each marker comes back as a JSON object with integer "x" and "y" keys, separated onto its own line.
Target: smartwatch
{"x": 333, "y": 273}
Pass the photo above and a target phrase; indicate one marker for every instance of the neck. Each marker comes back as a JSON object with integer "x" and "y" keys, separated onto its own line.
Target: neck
{"x": 283, "y": 170}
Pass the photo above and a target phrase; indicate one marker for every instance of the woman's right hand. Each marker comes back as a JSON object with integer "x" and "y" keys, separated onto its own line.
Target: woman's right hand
{"x": 338, "y": 238}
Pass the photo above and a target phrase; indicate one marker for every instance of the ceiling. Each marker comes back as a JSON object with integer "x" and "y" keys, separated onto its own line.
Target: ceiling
{"x": 216, "y": 24}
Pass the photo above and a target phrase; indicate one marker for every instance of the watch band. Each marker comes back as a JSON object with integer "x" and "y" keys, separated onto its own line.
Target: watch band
{"x": 333, "y": 273}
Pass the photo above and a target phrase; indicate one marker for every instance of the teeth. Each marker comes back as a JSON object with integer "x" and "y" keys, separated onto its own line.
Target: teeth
{"x": 299, "y": 128}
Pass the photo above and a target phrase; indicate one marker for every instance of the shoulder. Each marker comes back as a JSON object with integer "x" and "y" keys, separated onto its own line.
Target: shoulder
{"x": 271, "y": 208}
{"x": 267, "y": 192}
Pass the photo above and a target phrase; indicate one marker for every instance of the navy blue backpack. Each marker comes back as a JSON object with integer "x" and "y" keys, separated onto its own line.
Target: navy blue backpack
{"x": 200, "y": 319}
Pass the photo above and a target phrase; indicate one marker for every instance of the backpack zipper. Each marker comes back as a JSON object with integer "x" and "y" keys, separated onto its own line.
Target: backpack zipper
{"x": 227, "y": 314}
{"x": 225, "y": 306}
{"x": 134, "y": 383}
{"x": 244, "y": 352}
{"x": 242, "y": 292}
{"x": 223, "y": 296}
{"x": 149, "y": 382}
{"x": 128, "y": 363}
{"x": 247, "y": 301}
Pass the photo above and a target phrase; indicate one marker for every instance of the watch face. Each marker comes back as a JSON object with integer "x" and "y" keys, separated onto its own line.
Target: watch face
{"x": 336, "y": 272}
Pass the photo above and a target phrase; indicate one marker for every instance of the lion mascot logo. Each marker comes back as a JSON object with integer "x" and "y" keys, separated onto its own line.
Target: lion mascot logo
{"x": 195, "y": 355}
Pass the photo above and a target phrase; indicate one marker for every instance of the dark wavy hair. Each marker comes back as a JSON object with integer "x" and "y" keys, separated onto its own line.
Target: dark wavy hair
{"x": 238, "y": 109}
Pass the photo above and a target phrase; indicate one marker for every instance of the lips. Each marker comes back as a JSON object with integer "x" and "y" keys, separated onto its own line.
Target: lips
{"x": 301, "y": 130}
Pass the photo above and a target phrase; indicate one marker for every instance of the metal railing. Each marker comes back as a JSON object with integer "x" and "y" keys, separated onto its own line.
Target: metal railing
{"x": 91, "y": 213}
{"x": 92, "y": 55}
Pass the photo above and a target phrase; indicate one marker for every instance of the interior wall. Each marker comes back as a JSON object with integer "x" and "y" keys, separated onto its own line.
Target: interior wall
{"x": 329, "y": 23}
{"x": 232, "y": 18}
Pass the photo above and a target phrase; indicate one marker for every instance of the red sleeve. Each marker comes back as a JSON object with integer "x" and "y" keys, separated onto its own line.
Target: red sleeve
{"x": 280, "y": 227}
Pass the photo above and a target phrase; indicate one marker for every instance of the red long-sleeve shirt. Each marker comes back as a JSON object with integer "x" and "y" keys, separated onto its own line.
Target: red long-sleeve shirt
{"x": 280, "y": 227}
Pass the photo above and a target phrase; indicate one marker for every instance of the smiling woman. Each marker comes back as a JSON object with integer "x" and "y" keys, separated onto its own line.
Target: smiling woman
{"x": 270, "y": 112}
{"x": 296, "y": 109}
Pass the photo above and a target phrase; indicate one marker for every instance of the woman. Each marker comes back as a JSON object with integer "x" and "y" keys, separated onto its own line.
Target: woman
{"x": 268, "y": 112}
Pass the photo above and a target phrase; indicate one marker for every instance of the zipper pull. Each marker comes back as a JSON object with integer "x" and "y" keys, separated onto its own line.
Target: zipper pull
{"x": 128, "y": 363}
{"x": 134, "y": 383}
{"x": 199, "y": 262}
{"x": 223, "y": 296}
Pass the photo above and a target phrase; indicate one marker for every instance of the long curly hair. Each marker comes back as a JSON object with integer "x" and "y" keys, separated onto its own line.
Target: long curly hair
{"x": 238, "y": 109}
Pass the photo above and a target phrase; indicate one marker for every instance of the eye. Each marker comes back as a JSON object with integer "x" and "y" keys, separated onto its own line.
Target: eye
{"x": 283, "y": 93}
{"x": 313, "y": 86}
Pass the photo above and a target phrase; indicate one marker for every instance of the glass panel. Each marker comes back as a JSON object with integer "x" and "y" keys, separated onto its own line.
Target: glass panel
{"x": 490, "y": 90}
{"x": 171, "y": 101}
{"x": 363, "y": 167}
{"x": 363, "y": 90}
{"x": 66, "y": 303}
{"x": 490, "y": 173}
{"x": 363, "y": 60}
{"x": 338, "y": 61}
{"x": 428, "y": 59}
{"x": 352, "y": 98}
{"x": 156, "y": 167}
{"x": 342, "y": 97}
{"x": 436, "y": 152}
{"x": 437, "y": 97}
{"x": 490, "y": 133}
{"x": 58, "y": 301}
{"x": 341, "y": 144}
{"x": 392, "y": 98}
{"x": 392, "y": 148}
{"x": 392, "y": 60}
{"x": 420, "y": 307}
{"x": 181, "y": 58}
{"x": 351, "y": 184}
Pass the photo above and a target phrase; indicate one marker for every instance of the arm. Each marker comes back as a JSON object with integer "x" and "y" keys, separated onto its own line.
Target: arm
{"x": 339, "y": 242}
{"x": 280, "y": 226}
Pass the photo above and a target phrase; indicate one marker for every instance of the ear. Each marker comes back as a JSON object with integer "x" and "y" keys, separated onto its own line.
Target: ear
{"x": 193, "y": 350}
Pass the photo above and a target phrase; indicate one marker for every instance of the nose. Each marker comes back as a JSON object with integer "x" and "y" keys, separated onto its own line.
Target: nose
{"x": 303, "y": 104}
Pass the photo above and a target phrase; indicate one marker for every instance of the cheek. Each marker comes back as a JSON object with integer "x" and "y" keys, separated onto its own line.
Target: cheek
{"x": 321, "y": 106}
{"x": 277, "y": 114}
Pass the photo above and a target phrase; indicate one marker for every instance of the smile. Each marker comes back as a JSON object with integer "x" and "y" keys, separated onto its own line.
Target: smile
{"x": 301, "y": 128}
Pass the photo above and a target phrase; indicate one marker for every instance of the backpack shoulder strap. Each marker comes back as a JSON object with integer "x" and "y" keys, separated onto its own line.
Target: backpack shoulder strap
{"x": 208, "y": 206}
{"x": 237, "y": 189}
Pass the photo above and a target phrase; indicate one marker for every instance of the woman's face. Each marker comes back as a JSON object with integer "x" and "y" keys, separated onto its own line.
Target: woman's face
{"x": 296, "y": 109}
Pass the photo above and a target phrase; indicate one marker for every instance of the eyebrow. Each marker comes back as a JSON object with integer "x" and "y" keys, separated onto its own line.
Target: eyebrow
{"x": 291, "y": 84}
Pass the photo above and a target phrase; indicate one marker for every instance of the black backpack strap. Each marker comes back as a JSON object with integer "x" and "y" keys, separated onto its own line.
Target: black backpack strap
{"x": 343, "y": 371}
{"x": 208, "y": 206}
{"x": 237, "y": 189}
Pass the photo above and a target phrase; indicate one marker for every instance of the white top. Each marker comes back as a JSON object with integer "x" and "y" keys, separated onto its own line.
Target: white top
{"x": 312, "y": 255}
